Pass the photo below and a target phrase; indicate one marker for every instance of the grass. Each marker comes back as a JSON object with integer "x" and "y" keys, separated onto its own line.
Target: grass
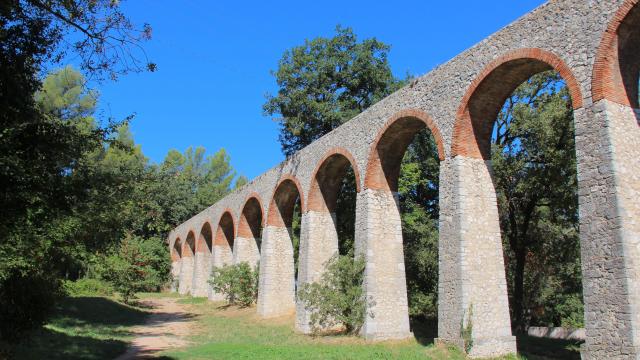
{"x": 100, "y": 328}
{"x": 83, "y": 328}
{"x": 232, "y": 333}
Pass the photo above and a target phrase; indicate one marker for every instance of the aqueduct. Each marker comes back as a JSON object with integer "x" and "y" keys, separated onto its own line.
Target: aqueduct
{"x": 595, "y": 46}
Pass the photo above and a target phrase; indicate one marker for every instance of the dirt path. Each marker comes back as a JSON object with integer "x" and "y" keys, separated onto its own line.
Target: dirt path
{"x": 166, "y": 328}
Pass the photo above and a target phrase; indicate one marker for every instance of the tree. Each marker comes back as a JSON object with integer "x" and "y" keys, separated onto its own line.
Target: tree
{"x": 41, "y": 143}
{"x": 137, "y": 265}
{"x": 238, "y": 283}
{"x": 533, "y": 156}
{"x": 324, "y": 83}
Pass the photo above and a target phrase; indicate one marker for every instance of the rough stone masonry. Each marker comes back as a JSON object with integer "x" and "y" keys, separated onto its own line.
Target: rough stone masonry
{"x": 595, "y": 46}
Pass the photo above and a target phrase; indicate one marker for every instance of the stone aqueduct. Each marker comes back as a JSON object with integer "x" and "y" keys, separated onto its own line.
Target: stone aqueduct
{"x": 595, "y": 46}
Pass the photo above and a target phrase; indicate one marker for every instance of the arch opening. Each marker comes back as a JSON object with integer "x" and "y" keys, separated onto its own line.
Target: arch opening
{"x": 177, "y": 249}
{"x": 250, "y": 225}
{"x": 535, "y": 175}
{"x": 225, "y": 233}
{"x": 205, "y": 240}
{"x": 333, "y": 191}
{"x": 249, "y": 238}
{"x": 628, "y": 55}
{"x": 405, "y": 164}
{"x": 616, "y": 74}
{"x": 285, "y": 211}
{"x": 189, "y": 245}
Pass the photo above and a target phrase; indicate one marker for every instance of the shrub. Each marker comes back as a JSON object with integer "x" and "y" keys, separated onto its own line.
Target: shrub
{"x": 138, "y": 265}
{"x": 337, "y": 299}
{"x": 88, "y": 287}
{"x": 238, "y": 283}
{"x": 27, "y": 298}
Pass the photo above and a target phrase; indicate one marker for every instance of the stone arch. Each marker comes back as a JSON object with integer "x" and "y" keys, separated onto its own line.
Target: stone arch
{"x": 381, "y": 234}
{"x": 282, "y": 203}
{"x": 319, "y": 238}
{"x": 617, "y": 66}
{"x": 187, "y": 264}
{"x": 205, "y": 239}
{"x": 488, "y": 92}
{"x": 223, "y": 246}
{"x": 473, "y": 204}
{"x": 225, "y": 234}
{"x": 249, "y": 238}
{"x": 202, "y": 260}
{"x": 176, "y": 250}
{"x": 189, "y": 246}
{"x": 327, "y": 177}
{"x": 276, "y": 295}
{"x": 385, "y": 155}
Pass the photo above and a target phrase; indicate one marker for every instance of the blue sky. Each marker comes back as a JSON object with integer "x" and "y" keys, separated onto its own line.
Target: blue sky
{"x": 214, "y": 61}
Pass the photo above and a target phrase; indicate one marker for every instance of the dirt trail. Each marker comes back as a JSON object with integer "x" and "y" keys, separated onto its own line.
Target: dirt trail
{"x": 168, "y": 327}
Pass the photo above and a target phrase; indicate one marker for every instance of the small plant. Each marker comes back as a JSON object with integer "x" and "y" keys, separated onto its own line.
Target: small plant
{"x": 138, "y": 265}
{"x": 337, "y": 299}
{"x": 466, "y": 330}
{"x": 88, "y": 287}
{"x": 238, "y": 283}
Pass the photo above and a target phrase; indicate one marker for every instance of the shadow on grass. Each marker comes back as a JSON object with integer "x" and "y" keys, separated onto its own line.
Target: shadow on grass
{"x": 424, "y": 330}
{"x": 84, "y": 328}
{"x": 534, "y": 348}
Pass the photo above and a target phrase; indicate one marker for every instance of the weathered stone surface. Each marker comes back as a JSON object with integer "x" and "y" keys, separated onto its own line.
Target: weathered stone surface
{"x": 578, "y": 39}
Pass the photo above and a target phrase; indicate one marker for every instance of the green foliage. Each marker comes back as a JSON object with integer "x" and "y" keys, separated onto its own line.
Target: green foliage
{"x": 138, "y": 265}
{"x": 337, "y": 299}
{"x": 26, "y": 300}
{"x": 466, "y": 330}
{"x": 534, "y": 162}
{"x": 88, "y": 287}
{"x": 326, "y": 82}
{"x": 238, "y": 283}
{"x": 418, "y": 189}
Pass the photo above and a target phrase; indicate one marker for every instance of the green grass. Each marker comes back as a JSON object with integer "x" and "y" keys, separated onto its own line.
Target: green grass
{"x": 231, "y": 333}
{"x": 193, "y": 300}
{"x": 83, "y": 328}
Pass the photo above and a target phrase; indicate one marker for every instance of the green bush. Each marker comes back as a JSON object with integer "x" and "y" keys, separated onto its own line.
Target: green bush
{"x": 138, "y": 265}
{"x": 27, "y": 298}
{"x": 88, "y": 287}
{"x": 238, "y": 283}
{"x": 337, "y": 299}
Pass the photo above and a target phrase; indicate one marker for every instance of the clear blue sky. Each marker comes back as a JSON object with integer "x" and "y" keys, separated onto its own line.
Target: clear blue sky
{"x": 214, "y": 61}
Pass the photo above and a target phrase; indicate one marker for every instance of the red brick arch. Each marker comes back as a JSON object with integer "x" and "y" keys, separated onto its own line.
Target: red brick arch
{"x": 617, "y": 65}
{"x": 176, "y": 250}
{"x": 251, "y": 217}
{"x": 205, "y": 238}
{"x": 283, "y": 201}
{"x": 225, "y": 231}
{"x": 327, "y": 179}
{"x": 491, "y": 88}
{"x": 189, "y": 246}
{"x": 385, "y": 155}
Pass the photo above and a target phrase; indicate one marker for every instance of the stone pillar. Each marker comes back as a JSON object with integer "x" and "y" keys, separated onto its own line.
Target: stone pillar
{"x": 607, "y": 137}
{"x": 246, "y": 250}
{"x": 201, "y": 273}
{"x": 379, "y": 239}
{"x": 186, "y": 275}
{"x": 175, "y": 274}
{"x": 472, "y": 288}
{"x": 276, "y": 293}
{"x": 221, "y": 256}
{"x": 318, "y": 243}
